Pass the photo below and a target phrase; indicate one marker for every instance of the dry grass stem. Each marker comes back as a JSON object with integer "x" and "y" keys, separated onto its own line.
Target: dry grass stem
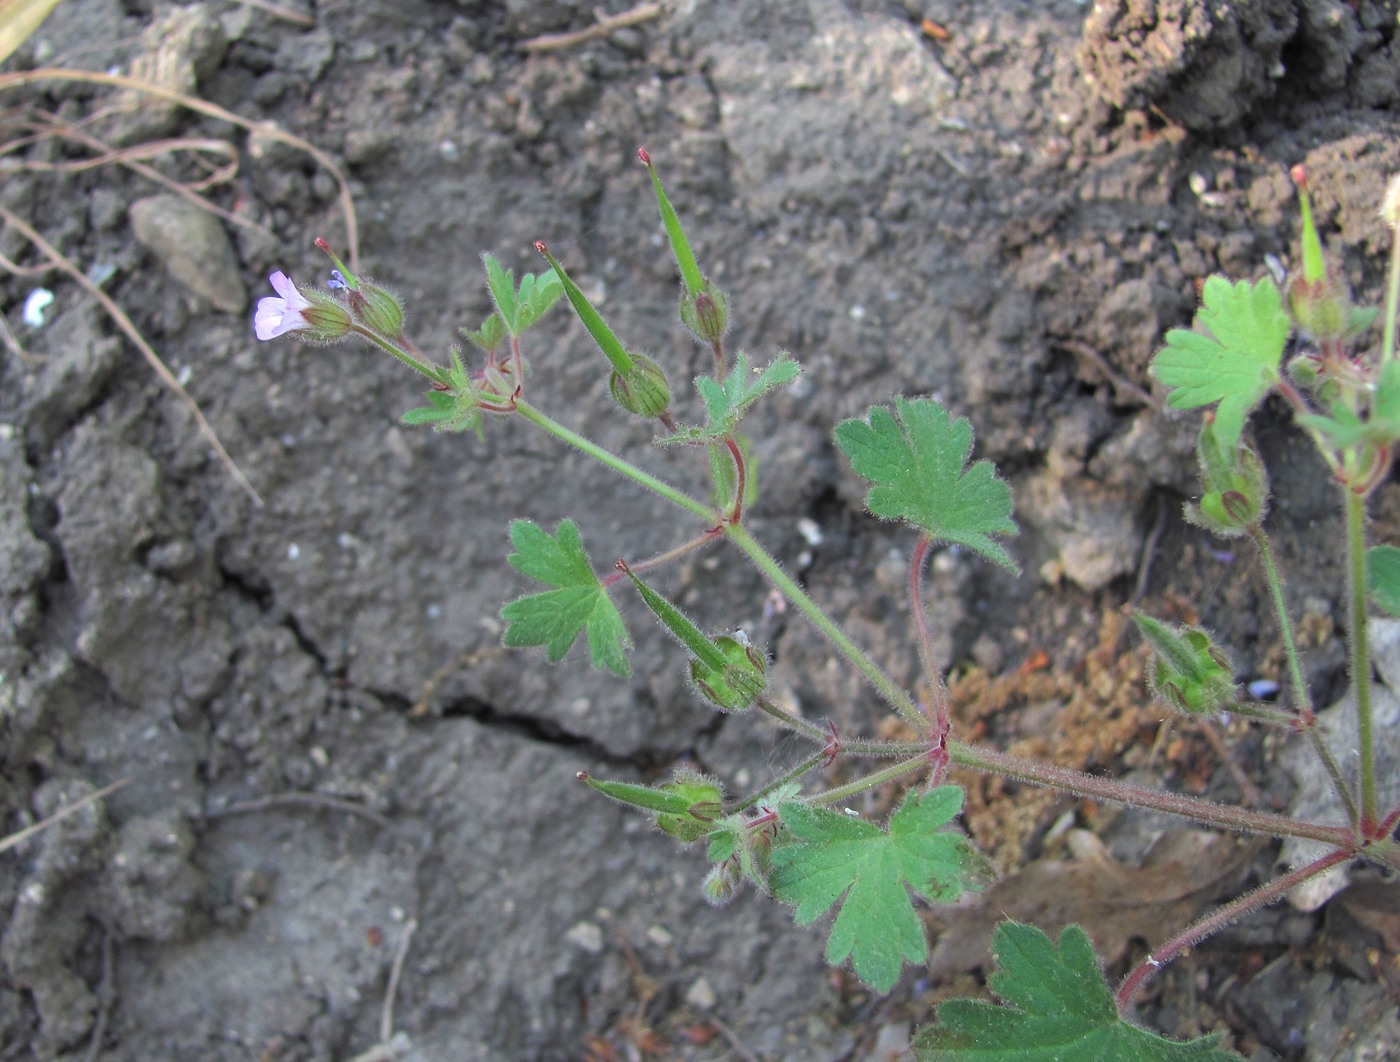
{"x": 20, "y": 836}
{"x": 553, "y": 42}
{"x": 270, "y": 130}
{"x": 319, "y": 801}
{"x": 133, "y": 158}
{"x": 386, "y": 1018}
{"x": 66, "y": 265}
{"x": 286, "y": 14}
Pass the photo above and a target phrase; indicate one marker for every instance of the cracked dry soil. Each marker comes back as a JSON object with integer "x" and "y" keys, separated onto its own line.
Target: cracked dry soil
{"x": 325, "y": 744}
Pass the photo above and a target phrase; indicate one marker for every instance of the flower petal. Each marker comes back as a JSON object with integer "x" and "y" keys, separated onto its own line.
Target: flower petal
{"x": 278, "y": 316}
{"x": 269, "y": 318}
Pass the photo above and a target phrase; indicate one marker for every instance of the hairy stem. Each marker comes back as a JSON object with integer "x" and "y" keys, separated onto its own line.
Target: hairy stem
{"x": 791, "y": 776}
{"x": 432, "y": 372}
{"x": 937, "y": 690}
{"x": 898, "y": 698}
{"x": 642, "y": 567}
{"x": 870, "y": 781}
{"x": 1358, "y": 651}
{"x": 617, "y": 464}
{"x": 1301, "y": 698}
{"x": 1392, "y": 298}
{"x": 1243, "y": 820}
{"x": 1217, "y": 920}
{"x": 741, "y": 483}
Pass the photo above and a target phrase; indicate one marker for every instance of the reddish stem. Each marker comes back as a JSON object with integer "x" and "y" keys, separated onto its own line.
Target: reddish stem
{"x": 740, "y": 479}
{"x": 661, "y": 558}
{"x": 938, "y": 691}
{"x": 1217, "y": 920}
{"x": 1243, "y": 820}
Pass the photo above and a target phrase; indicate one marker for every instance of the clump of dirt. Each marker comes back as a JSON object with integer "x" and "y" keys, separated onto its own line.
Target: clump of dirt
{"x": 335, "y": 774}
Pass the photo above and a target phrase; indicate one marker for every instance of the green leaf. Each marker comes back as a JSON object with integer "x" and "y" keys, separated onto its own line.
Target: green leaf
{"x": 537, "y": 294}
{"x": 832, "y": 855}
{"x": 916, "y": 464}
{"x": 1237, "y": 363}
{"x": 555, "y": 618}
{"x": 455, "y": 409}
{"x": 1383, "y": 577}
{"x": 517, "y": 306}
{"x": 1381, "y": 427}
{"x": 727, "y": 400}
{"x": 1057, "y": 1006}
{"x": 490, "y": 335}
{"x": 501, "y": 283}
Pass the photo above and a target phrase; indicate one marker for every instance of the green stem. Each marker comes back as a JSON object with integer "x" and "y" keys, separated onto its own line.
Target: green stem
{"x": 432, "y": 372}
{"x": 810, "y": 731}
{"x": 1301, "y": 697}
{"x": 791, "y": 776}
{"x": 787, "y": 586}
{"x": 617, "y": 464}
{"x": 1290, "y": 644}
{"x": 1359, "y": 651}
{"x": 870, "y": 781}
{"x": 1263, "y": 713}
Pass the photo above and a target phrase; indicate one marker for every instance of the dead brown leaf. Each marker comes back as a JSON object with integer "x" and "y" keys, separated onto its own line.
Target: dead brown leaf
{"x": 1186, "y": 872}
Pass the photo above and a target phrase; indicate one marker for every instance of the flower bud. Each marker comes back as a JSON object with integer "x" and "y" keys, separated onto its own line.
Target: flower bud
{"x": 706, "y": 313}
{"x": 644, "y": 390}
{"x": 722, "y": 883}
{"x": 1189, "y": 672}
{"x": 1235, "y": 489}
{"x": 1321, "y": 308}
{"x": 705, "y": 800}
{"x": 741, "y": 680}
{"x": 376, "y": 309}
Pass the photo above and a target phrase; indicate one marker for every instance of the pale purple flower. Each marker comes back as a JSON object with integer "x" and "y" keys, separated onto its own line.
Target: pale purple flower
{"x": 276, "y": 317}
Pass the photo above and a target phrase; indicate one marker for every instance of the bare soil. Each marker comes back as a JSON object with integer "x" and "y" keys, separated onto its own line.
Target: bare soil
{"x": 1005, "y": 205}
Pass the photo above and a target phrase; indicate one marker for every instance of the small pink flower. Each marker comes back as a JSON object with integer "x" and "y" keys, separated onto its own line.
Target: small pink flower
{"x": 277, "y": 317}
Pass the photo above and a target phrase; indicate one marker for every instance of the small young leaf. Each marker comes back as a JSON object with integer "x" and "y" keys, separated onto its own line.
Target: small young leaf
{"x": 1236, "y": 363}
{"x": 555, "y": 618}
{"x": 1383, "y": 577}
{"x": 517, "y": 306}
{"x": 1381, "y": 428}
{"x": 833, "y": 855}
{"x": 490, "y": 335}
{"x": 453, "y": 410}
{"x": 1057, "y": 1006}
{"x": 917, "y": 465}
{"x": 727, "y": 400}
{"x": 535, "y": 297}
{"x": 501, "y": 283}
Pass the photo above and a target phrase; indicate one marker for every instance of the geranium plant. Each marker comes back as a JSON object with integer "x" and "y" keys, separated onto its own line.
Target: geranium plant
{"x": 788, "y": 838}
